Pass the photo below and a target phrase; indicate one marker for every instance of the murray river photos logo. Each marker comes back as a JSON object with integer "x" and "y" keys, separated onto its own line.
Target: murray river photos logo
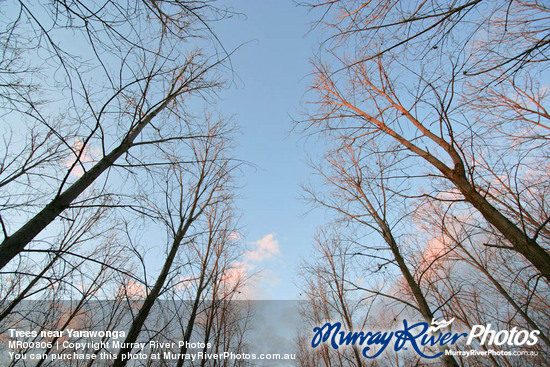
{"x": 418, "y": 336}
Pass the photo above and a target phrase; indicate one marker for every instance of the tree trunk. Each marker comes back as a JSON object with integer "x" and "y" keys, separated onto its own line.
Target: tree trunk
{"x": 151, "y": 298}
{"x": 526, "y": 246}
{"x": 14, "y": 244}
{"x": 414, "y": 287}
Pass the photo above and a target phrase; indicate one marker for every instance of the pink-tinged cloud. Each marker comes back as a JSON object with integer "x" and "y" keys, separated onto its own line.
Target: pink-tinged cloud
{"x": 86, "y": 158}
{"x": 265, "y": 248}
{"x": 244, "y": 279}
{"x": 73, "y": 321}
{"x": 239, "y": 280}
{"x": 434, "y": 255}
{"x": 133, "y": 290}
{"x": 236, "y": 275}
{"x": 434, "y": 249}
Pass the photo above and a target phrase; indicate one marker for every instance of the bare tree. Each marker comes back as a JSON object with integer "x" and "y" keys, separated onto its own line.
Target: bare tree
{"x": 368, "y": 197}
{"x": 508, "y": 279}
{"x": 66, "y": 292}
{"x": 414, "y": 94}
{"x": 108, "y": 149}
{"x": 507, "y": 35}
{"x": 138, "y": 71}
{"x": 215, "y": 258}
{"x": 330, "y": 295}
{"x": 68, "y": 251}
{"x": 190, "y": 193}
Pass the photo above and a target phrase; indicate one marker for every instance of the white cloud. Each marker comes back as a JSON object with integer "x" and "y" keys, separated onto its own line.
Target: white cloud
{"x": 235, "y": 236}
{"x": 265, "y": 248}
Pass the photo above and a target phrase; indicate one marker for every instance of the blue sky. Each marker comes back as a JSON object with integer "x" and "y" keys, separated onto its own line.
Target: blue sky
{"x": 272, "y": 75}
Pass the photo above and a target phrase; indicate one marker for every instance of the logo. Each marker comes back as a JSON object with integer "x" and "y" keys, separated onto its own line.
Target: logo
{"x": 513, "y": 337}
{"x": 417, "y": 336}
{"x": 437, "y": 325}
